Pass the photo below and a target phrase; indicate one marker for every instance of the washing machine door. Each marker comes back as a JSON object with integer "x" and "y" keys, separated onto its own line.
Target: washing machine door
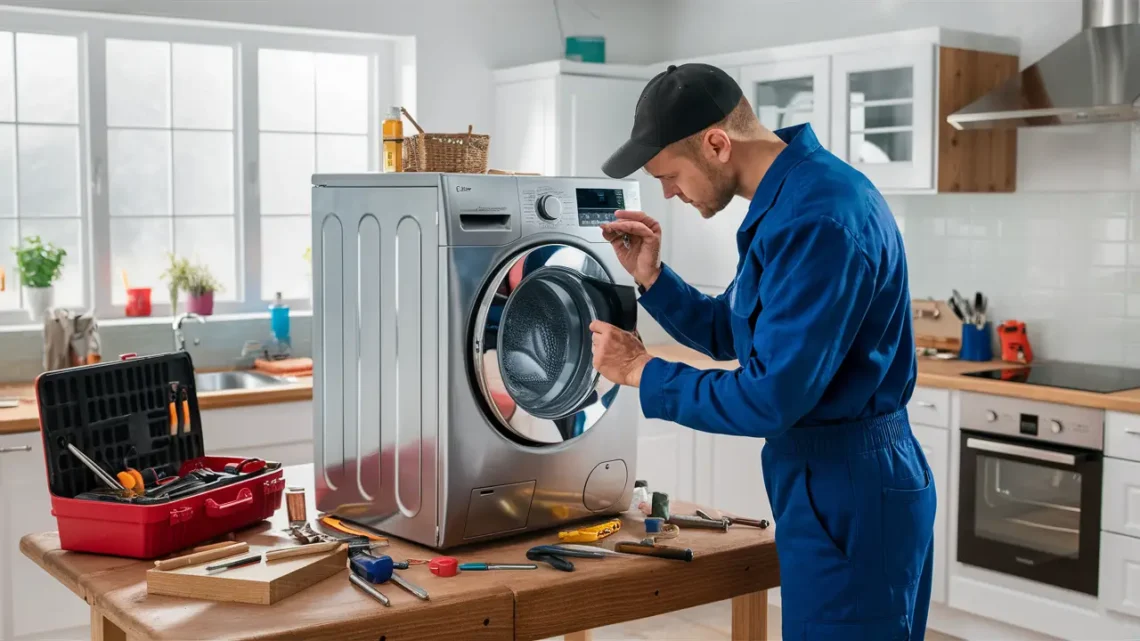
{"x": 532, "y": 348}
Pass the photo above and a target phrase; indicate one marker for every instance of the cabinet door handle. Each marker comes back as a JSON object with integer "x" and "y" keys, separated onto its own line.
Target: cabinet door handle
{"x": 1132, "y": 432}
{"x": 927, "y": 404}
{"x": 21, "y": 448}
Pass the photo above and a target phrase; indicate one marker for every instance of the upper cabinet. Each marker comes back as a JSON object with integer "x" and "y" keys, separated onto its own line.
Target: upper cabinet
{"x": 881, "y": 102}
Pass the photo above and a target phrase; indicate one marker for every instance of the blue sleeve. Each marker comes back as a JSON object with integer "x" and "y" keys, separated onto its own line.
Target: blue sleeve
{"x": 816, "y": 289}
{"x": 693, "y": 318}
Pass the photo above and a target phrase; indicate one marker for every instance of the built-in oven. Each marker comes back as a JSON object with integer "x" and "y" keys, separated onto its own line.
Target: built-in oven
{"x": 1030, "y": 489}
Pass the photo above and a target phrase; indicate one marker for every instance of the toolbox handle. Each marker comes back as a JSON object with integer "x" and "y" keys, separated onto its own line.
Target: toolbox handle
{"x": 244, "y": 499}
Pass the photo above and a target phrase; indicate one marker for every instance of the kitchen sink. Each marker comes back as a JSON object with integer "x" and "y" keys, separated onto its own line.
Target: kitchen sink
{"x": 219, "y": 381}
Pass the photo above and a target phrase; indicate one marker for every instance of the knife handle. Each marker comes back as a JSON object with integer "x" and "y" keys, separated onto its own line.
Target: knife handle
{"x": 659, "y": 551}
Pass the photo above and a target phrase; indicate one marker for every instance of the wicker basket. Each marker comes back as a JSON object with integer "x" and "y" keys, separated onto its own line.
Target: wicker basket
{"x": 450, "y": 153}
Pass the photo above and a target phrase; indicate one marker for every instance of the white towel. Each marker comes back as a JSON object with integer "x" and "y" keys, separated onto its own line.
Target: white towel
{"x": 70, "y": 339}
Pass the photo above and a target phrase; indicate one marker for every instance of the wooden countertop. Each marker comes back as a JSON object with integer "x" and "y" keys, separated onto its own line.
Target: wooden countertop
{"x": 521, "y": 605}
{"x": 948, "y": 375}
{"x": 25, "y": 418}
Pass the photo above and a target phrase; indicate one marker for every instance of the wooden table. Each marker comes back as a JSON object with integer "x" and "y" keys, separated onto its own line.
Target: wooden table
{"x": 522, "y": 605}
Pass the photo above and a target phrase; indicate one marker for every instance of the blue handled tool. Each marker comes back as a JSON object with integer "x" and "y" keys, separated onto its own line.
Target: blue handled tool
{"x": 468, "y": 567}
{"x": 374, "y": 569}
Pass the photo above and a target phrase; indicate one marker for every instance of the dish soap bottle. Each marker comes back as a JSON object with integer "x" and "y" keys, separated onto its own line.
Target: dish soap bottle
{"x": 393, "y": 131}
{"x": 279, "y": 320}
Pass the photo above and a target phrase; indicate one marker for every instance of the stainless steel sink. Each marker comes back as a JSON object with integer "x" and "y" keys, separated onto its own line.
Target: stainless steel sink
{"x": 219, "y": 381}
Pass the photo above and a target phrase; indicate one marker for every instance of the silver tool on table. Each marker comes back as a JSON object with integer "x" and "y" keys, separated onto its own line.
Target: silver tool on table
{"x": 9, "y": 403}
{"x": 367, "y": 587}
{"x": 698, "y": 522}
{"x": 409, "y": 586}
{"x": 107, "y": 479}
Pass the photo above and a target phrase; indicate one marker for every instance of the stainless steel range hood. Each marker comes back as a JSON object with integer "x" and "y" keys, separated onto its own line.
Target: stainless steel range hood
{"x": 1092, "y": 78}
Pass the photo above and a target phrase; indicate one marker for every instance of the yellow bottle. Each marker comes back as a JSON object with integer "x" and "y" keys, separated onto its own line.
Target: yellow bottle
{"x": 393, "y": 132}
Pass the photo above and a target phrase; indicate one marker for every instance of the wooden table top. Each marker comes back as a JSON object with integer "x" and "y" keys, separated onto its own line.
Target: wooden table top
{"x": 522, "y": 605}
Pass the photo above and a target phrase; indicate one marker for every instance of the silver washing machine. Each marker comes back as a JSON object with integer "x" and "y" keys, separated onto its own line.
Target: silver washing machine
{"x": 455, "y": 399}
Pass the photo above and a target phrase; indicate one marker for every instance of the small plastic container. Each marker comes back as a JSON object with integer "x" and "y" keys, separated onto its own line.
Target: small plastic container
{"x": 138, "y": 302}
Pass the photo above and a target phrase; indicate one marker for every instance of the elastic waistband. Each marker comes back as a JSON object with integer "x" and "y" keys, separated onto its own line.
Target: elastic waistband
{"x": 845, "y": 438}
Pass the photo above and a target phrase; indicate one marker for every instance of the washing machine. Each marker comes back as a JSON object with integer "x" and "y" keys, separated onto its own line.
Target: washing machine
{"x": 455, "y": 400}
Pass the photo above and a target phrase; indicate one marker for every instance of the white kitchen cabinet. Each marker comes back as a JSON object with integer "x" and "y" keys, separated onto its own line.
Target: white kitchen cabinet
{"x": 280, "y": 432}
{"x": 935, "y": 444}
{"x": 791, "y": 92}
{"x": 31, "y": 601}
{"x": 1120, "y": 505}
{"x": 883, "y": 116}
{"x": 930, "y": 406}
{"x": 1119, "y": 588}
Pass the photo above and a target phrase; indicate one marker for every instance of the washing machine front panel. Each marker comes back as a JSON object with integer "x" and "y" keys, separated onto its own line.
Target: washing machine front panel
{"x": 531, "y": 344}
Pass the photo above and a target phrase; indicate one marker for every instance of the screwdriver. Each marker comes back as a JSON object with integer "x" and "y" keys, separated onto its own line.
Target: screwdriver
{"x": 468, "y": 567}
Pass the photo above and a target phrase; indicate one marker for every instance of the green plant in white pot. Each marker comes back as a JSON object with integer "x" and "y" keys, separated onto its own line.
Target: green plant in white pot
{"x": 40, "y": 265}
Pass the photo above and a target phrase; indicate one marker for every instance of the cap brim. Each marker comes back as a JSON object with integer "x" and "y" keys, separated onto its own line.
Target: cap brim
{"x": 629, "y": 158}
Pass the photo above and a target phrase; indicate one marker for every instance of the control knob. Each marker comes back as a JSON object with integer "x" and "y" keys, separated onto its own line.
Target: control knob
{"x": 1055, "y": 427}
{"x": 549, "y": 207}
{"x": 991, "y": 416}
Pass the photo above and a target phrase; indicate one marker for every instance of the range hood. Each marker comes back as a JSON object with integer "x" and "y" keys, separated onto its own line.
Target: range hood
{"x": 1092, "y": 78}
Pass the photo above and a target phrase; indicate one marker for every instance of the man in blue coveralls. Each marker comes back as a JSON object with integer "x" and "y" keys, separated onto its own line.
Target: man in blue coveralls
{"x": 819, "y": 318}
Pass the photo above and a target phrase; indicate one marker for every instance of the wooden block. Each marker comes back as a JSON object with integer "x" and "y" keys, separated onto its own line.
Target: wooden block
{"x": 261, "y": 584}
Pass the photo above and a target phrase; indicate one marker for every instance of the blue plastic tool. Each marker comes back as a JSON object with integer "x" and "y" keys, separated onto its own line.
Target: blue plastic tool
{"x": 374, "y": 569}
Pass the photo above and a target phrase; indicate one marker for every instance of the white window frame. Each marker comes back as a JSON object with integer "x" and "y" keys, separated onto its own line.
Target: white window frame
{"x": 392, "y": 74}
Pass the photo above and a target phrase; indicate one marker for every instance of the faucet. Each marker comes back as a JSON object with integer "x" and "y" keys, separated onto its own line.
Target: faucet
{"x": 179, "y": 337}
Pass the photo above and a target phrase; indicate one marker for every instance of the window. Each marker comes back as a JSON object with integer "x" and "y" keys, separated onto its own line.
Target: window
{"x": 40, "y": 188}
{"x": 124, "y": 139}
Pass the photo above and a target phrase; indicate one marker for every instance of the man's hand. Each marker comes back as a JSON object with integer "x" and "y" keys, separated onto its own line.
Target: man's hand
{"x": 619, "y": 356}
{"x": 636, "y": 239}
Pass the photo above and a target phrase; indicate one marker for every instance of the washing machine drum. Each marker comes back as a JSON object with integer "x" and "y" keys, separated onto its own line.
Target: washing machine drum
{"x": 533, "y": 355}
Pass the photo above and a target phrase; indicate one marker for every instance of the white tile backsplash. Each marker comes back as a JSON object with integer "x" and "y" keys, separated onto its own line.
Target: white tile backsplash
{"x": 1061, "y": 254}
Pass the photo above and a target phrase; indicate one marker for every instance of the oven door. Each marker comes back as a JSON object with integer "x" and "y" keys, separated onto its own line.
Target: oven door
{"x": 1030, "y": 510}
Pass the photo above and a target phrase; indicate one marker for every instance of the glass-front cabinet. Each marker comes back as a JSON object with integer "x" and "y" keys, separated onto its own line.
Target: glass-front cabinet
{"x": 792, "y": 92}
{"x": 883, "y": 114}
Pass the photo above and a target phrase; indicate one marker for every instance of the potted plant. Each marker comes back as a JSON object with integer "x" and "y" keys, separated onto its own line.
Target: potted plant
{"x": 40, "y": 265}
{"x": 177, "y": 277}
{"x": 200, "y": 288}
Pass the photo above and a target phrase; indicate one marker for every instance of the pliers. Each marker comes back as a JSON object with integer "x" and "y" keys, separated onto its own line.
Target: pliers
{"x": 556, "y": 556}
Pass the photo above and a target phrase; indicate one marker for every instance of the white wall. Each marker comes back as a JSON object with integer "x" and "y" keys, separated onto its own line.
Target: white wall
{"x": 459, "y": 42}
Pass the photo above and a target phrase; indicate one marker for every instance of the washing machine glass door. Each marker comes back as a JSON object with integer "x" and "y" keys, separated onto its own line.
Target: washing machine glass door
{"x": 532, "y": 346}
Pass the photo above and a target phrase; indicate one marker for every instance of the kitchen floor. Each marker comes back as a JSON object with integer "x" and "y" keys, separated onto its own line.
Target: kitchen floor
{"x": 711, "y": 622}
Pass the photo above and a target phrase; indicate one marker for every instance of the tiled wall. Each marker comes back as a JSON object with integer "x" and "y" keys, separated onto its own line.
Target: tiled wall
{"x": 1061, "y": 254}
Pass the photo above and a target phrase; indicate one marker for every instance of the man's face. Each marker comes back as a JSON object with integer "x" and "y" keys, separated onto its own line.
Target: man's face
{"x": 697, "y": 176}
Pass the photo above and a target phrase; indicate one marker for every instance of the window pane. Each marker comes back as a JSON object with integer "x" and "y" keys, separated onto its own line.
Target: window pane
{"x": 341, "y": 154}
{"x": 283, "y": 266}
{"x": 10, "y": 297}
{"x": 342, "y": 94}
{"x": 286, "y": 92}
{"x": 210, "y": 242}
{"x": 139, "y": 246}
{"x": 7, "y": 78}
{"x": 47, "y": 73}
{"x": 203, "y": 173}
{"x": 881, "y": 148}
{"x": 138, "y": 83}
{"x": 287, "y": 167}
{"x": 7, "y": 173}
{"x": 139, "y": 169}
{"x": 881, "y": 84}
{"x": 48, "y": 162}
{"x": 203, "y": 87}
{"x": 64, "y": 232}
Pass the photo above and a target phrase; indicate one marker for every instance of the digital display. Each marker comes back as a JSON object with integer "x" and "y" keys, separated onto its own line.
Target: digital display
{"x": 1029, "y": 424}
{"x": 597, "y": 206}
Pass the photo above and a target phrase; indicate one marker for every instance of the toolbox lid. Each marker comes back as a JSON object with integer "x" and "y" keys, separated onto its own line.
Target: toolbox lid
{"x": 120, "y": 415}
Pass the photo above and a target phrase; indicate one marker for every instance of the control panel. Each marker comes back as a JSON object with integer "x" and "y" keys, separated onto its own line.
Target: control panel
{"x": 1033, "y": 420}
{"x": 574, "y": 205}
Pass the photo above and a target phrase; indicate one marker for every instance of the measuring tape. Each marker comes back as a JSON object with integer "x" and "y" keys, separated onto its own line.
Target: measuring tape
{"x": 590, "y": 534}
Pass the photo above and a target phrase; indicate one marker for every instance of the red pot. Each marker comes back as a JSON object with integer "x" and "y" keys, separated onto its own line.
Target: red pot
{"x": 201, "y": 305}
{"x": 138, "y": 301}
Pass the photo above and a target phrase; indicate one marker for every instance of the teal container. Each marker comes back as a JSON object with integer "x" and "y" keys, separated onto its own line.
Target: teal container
{"x": 279, "y": 319}
{"x": 586, "y": 48}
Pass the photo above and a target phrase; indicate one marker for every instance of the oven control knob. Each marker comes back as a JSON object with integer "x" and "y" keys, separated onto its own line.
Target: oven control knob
{"x": 549, "y": 207}
{"x": 991, "y": 416}
{"x": 1055, "y": 427}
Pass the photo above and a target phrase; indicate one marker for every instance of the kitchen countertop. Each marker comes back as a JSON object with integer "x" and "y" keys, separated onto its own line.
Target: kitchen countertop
{"x": 25, "y": 418}
{"x": 948, "y": 375}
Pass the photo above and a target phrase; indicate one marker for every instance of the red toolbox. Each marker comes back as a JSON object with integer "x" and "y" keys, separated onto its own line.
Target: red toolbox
{"x": 120, "y": 415}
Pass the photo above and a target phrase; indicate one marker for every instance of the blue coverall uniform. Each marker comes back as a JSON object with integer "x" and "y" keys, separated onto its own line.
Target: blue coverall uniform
{"x": 819, "y": 318}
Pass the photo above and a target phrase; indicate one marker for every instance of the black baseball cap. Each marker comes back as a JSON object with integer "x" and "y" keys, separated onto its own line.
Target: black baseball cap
{"x": 677, "y": 103}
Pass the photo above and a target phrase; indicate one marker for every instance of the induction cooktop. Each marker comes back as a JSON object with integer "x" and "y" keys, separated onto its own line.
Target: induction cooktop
{"x": 1103, "y": 379}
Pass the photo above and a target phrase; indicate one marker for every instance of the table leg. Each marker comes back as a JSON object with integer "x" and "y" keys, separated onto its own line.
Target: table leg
{"x": 584, "y": 635}
{"x": 103, "y": 630}
{"x": 750, "y": 617}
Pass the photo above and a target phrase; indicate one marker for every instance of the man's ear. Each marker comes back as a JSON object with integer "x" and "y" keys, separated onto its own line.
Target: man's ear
{"x": 717, "y": 145}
